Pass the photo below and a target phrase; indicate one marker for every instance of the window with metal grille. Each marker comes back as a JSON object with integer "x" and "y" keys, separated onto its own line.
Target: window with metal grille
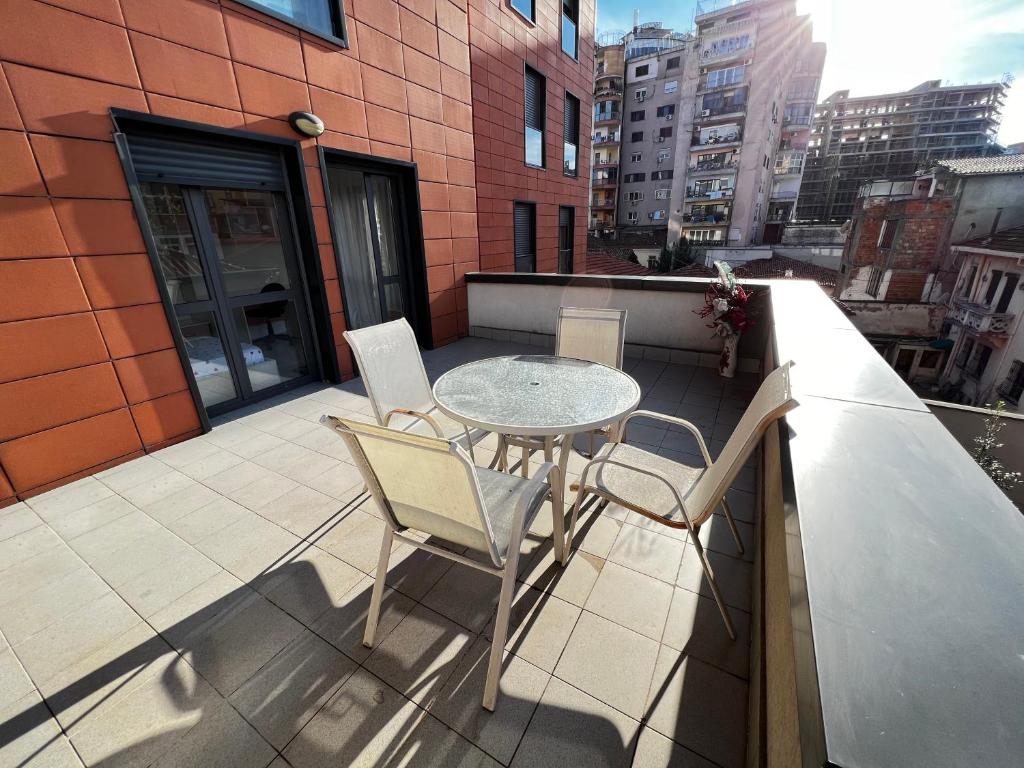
{"x": 524, "y": 216}
{"x": 662, "y": 194}
{"x": 665, "y": 132}
{"x": 667, "y": 111}
{"x": 888, "y": 234}
{"x": 642, "y": 71}
{"x": 633, "y": 178}
{"x": 874, "y": 282}
{"x": 672, "y": 63}
{"x": 661, "y": 175}
{"x": 570, "y": 17}
{"x": 533, "y": 116}
{"x": 636, "y": 136}
{"x": 637, "y": 115}
{"x": 524, "y": 8}
{"x": 634, "y": 197}
{"x": 570, "y": 135}
{"x": 635, "y": 157}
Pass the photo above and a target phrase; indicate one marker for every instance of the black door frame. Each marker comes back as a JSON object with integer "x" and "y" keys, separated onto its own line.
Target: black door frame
{"x": 572, "y": 239}
{"x": 409, "y": 226}
{"x": 323, "y": 363}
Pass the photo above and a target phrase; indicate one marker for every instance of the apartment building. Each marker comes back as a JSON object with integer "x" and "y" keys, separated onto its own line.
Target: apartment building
{"x": 987, "y": 322}
{"x": 655, "y": 65}
{"x": 892, "y": 136}
{"x": 609, "y": 73}
{"x": 197, "y": 198}
{"x": 750, "y": 78}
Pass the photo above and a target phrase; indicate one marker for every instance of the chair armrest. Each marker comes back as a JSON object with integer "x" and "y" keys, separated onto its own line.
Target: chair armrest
{"x": 671, "y": 420}
{"x": 660, "y": 476}
{"x": 416, "y": 414}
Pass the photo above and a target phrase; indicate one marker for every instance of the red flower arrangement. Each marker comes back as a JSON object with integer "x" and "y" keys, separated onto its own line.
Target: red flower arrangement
{"x": 725, "y": 303}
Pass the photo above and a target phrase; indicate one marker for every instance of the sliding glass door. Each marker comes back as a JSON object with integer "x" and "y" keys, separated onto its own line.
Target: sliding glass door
{"x": 228, "y": 260}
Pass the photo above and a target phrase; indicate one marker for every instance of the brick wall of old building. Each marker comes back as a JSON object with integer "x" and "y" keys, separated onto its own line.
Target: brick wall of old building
{"x": 501, "y": 43}
{"x": 88, "y": 372}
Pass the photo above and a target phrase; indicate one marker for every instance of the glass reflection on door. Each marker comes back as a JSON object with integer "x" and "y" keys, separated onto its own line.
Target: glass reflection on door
{"x": 365, "y": 208}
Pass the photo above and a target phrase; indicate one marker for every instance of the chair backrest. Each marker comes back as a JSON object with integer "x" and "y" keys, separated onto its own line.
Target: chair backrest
{"x": 391, "y": 367}
{"x": 425, "y": 483}
{"x": 774, "y": 398}
{"x": 596, "y": 335}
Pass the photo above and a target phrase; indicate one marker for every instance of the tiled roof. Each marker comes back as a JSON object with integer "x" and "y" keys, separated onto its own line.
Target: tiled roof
{"x": 693, "y": 270}
{"x": 971, "y": 166}
{"x": 1011, "y": 240}
{"x": 775, "y": 268}
{"x": 600, "y": 264}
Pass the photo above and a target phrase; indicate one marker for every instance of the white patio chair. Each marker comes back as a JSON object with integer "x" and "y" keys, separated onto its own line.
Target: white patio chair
{"x": 594, "y": 335}
{"x": 675, "y": 494}
{"x": 396, "y": 382}
{"x": 430, "y": 485}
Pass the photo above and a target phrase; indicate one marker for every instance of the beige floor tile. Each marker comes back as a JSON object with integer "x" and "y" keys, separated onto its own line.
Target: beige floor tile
{"x": 237, "y": 476}
{"x": 355, "y": 538}
{"x": 308, "y": 584}
{"x": 132, "y": 473}
{"x": 75, "y": 636}
{"x": 655, "y": 751}
{"x": 29, "y": 736}
{"x": 520, "y": 688}
{"x": 700, "y": 707}
{"x": 733, "y": 576}
{"x": 157, "y": 586}
{"x": 14, "y": 681}
{"x": 17, "y": 519}
{"x": 222, "y": 738}
{"x": 342, "y": 482}
{"x": 695, "y": 626}
{"x": 102, "y": 542}
{"x": 209, "y": 519}
{"x": 300, "y": 510}
{"x": 465, "y": 595}
{"x": 27, "y": 545}
{"x": 70, "y": 525}
{"x": 70, "y": 497}
{"x": 419, "y": 655}
{"x": 539, "y": 627}
{"x": 415, "y": 571}
{"x": 610, "y": 662}
{"x": 290, "y": 688}
{"x": 343, "y": 624}
{"x": 151, "y": 491}
{"x": 151, "y": 553}
{"x": 250, "y": 546}
{"x": 176, "y": 506}
{"x": 211, "y": 465}
{"x": 368, "y": 724}
{"x": 647, "y": 552}
{"x": 35, "y": 609}
{"x": 716, "y": 536}
{"x": 36, "y": 572}
{"x": 571, "y": 582}
{"x": 571, "y": 728}
{"x": 187, "y": 452}
{"x": 596, "y": 533}
{"x": 634, "y": 600}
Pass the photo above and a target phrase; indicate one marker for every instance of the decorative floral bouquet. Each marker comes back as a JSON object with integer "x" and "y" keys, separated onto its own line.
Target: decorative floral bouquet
{"x": 726, "y": 303}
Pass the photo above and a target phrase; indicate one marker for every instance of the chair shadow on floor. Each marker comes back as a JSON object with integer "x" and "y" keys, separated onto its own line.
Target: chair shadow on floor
{"x": 362, "y": 719}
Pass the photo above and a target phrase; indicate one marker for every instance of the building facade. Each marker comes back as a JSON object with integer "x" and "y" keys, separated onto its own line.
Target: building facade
{"x": 987, "y": 322}
{"x": 748, "y": 78}
{"x": 609, "y": 71}
{"x": 173, "y": 248}
{"x": 892, "y": 136}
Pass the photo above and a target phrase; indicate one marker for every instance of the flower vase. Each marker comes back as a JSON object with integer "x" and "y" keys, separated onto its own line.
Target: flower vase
{"x": 727, "y": 362}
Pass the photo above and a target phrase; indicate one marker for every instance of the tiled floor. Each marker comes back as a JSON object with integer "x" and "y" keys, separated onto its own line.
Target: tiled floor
{"x": 204, "y": 606}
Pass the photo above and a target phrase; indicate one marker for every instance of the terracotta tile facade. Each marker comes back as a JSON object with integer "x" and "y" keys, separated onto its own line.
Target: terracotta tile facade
{"x": 89, "y": 375}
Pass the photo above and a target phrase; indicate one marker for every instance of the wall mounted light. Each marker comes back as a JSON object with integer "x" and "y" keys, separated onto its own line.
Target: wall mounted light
{"x": 306, "y": 123}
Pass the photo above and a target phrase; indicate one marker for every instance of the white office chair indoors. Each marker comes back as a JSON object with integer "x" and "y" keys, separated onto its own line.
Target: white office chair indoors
{"x": 430, "y": 485}
{"x": 677, "y": 495}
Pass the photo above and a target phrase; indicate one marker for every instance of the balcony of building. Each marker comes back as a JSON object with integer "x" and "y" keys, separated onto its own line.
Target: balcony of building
{"x": 980, "y": 317}
{"x": 701, "y": 193}
{"x": 789, "y": 162}
{"x": 610, "y": 138}
{"x": 607, "y": 117}
{"x": 706, "y": 214}
{"x": 719, "y": 113}
{"x": 604, "y": 180}
{"x": 204, "y": 604}
{"x": 727, "y": 162}
{"x": 608, "y": 87}
{"x": 603, "y": 204}
{"x": 725, "y": 137}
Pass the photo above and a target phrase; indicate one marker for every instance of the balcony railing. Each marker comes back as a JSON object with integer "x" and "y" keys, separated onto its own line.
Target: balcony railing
{"x": 723, "y": 109}
{"x": 601, "y": 117}
{"x": 612, "y": 138}
{"x": 698, "y": 193}
{"x": 714, "y": 165}
{"x": 705, "y": 218}
{"x": 732, "y": 137}
{"x": 980, "y": 317}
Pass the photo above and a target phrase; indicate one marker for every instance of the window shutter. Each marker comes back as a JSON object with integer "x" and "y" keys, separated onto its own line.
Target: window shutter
{"x": 182, "y": 161}
{"x": 523, "y": 224}
{"x": 534, "y": 100}
{"x": 571, "y": 120}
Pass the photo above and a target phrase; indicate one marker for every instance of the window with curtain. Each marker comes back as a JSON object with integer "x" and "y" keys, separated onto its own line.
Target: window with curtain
{"x": 524, "y": 219}
{"x": 570, "y": 135}
{"x": 533, "y": 117}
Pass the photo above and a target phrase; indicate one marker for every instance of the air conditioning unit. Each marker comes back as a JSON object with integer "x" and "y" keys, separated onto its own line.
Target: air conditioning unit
{"x": 661, "y": 160}
{"x": 705, "y": 113}
{"x": 661, "y": 139}
{"x": 669, "y": 115}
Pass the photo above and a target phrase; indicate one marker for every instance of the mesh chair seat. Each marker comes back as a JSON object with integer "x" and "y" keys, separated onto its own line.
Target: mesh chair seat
{"x": 500, "y": 492}
{"x": 637, "y": 491}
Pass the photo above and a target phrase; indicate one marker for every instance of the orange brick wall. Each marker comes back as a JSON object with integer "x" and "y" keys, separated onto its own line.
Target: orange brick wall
{"x": 88, "y": 373}
{"x": 501, "y": 41}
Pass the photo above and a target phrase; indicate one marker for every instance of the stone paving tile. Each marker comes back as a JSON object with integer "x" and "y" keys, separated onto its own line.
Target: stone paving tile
{"x": 217, "y": 595}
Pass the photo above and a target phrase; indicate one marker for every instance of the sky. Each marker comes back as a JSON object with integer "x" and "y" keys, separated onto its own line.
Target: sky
{"x": 881, "y": 46}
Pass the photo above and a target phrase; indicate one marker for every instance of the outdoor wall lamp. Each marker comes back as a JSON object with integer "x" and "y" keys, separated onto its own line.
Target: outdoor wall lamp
{"x": 306, "y": 123}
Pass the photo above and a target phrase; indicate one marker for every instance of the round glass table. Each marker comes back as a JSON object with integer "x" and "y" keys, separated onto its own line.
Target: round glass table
{"x": 537, "y": 396}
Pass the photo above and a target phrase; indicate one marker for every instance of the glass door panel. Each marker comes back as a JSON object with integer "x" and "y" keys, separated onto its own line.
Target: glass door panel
{"x": 350, "y": 209}
{"x": 271, "y": 343}
{"x": 210, "y": 365}
{"x": 176, "y": 248}
{"x": 383, "y": 206}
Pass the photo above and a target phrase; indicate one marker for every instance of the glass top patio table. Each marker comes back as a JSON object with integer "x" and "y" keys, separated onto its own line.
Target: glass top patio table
{"x": 536, "y": 395}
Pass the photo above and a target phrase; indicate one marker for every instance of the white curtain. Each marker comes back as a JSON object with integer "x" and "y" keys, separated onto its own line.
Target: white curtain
{"x": 355, "y": 256}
